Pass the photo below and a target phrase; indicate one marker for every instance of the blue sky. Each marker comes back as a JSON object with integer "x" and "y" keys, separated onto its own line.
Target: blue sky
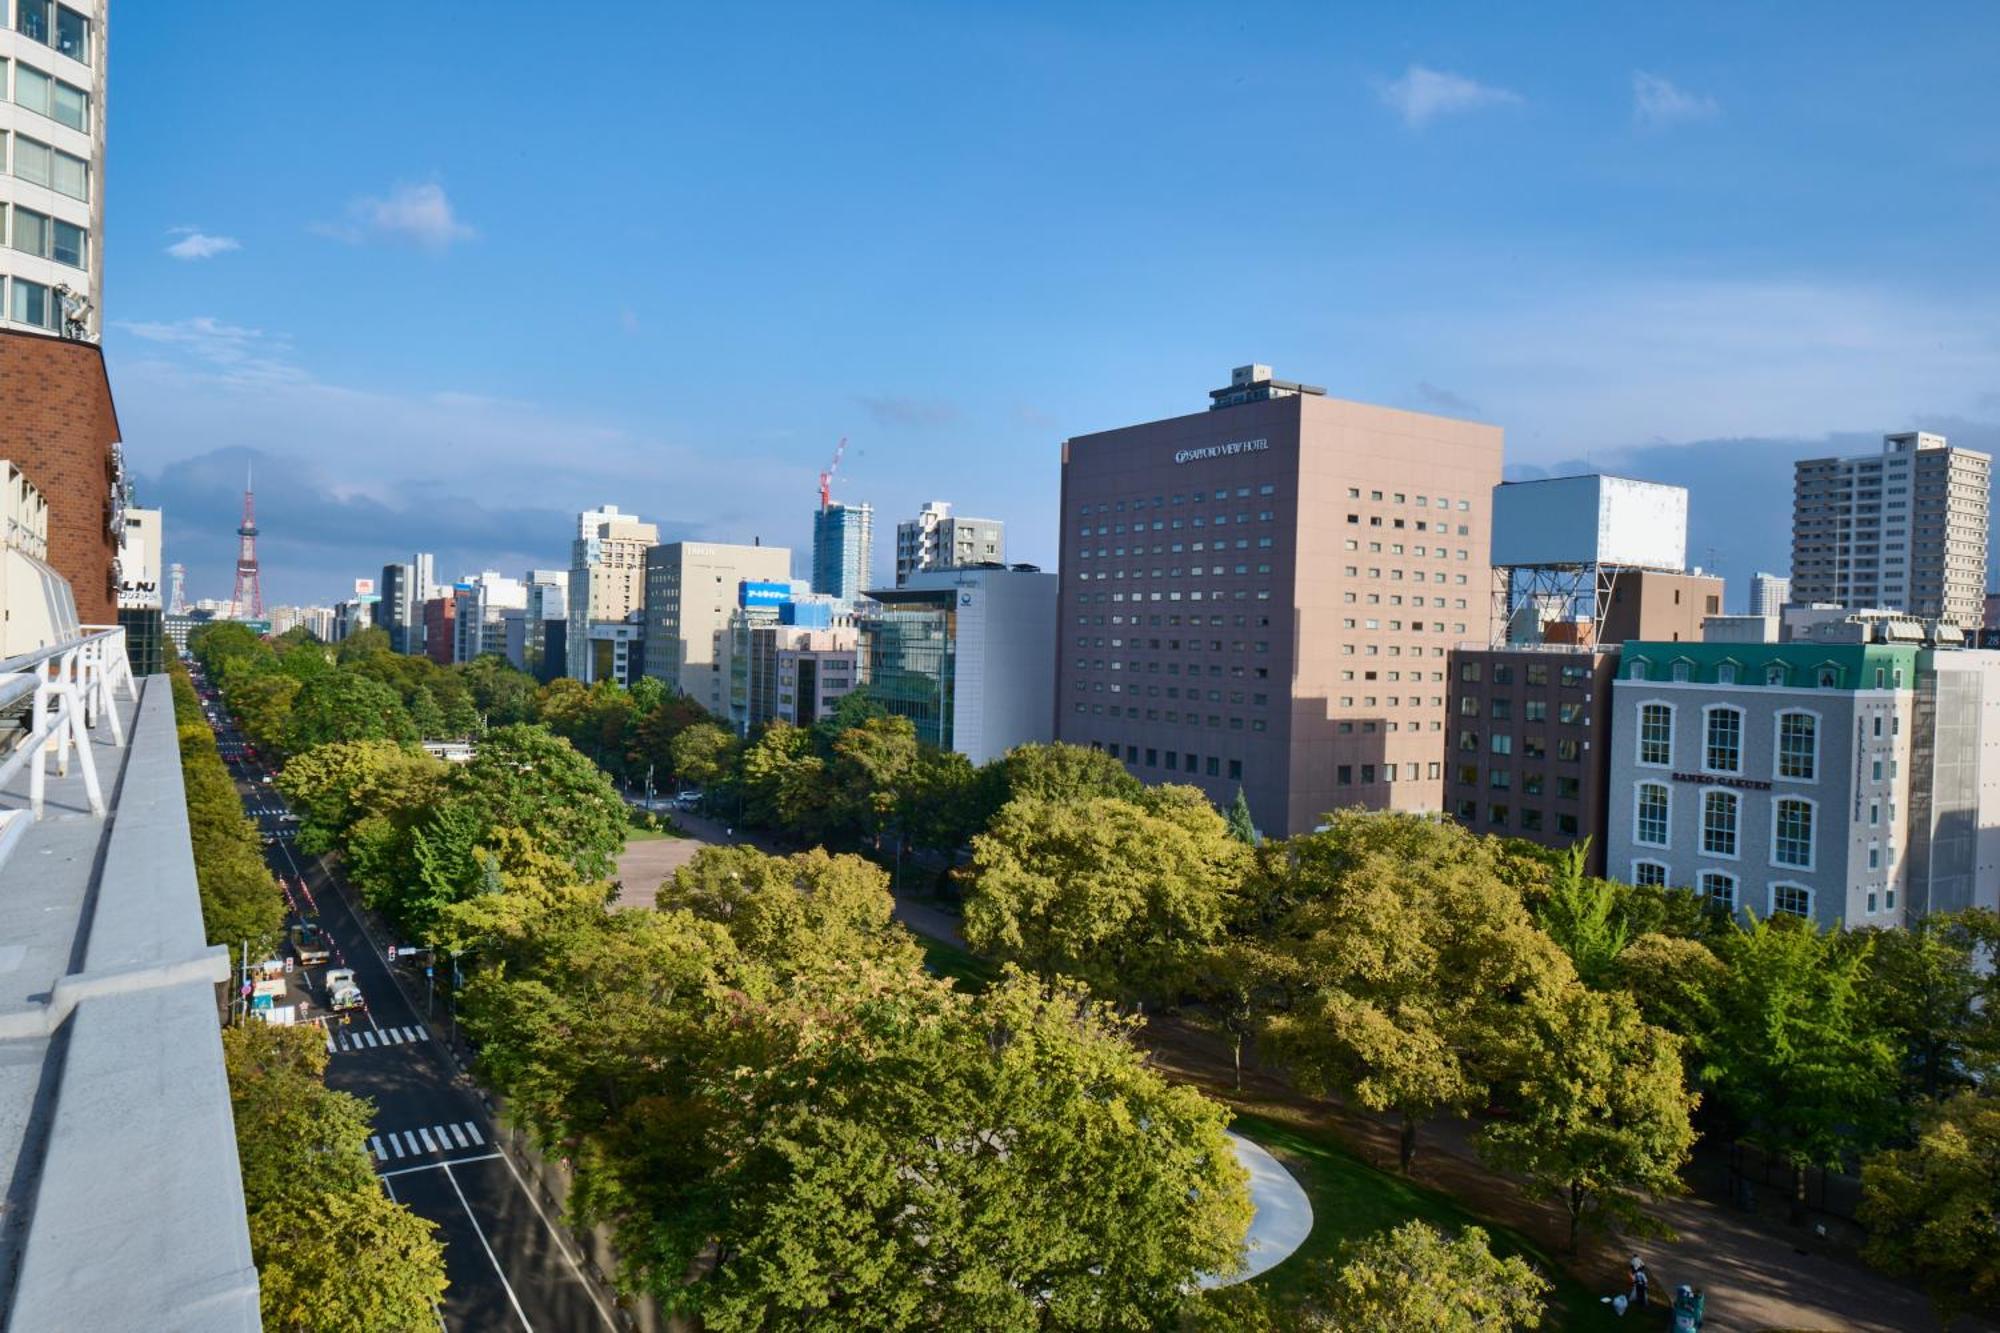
{"x": 453, "y": 272}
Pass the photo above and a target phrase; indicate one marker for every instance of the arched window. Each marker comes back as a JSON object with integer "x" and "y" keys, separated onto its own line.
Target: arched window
{"x": 1792, "y": 833}
{"x": 1791, "y": 900}
{"x": 1649, "y": 873}
{"x": 1649, "y": 821}
{"x": 1798, "y": 746}
{"x": 1719, "y": 823}
{"x": 1719, "y": 889}
{"x": 1656, "y": 734}
{"x": 1722, "y": 742}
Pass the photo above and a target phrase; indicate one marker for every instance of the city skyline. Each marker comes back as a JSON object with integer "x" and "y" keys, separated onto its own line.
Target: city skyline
{"x": 1535, "y": 248}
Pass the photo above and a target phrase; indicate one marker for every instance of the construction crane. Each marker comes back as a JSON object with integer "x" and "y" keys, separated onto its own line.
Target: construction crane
{"x": 826, "y": 477}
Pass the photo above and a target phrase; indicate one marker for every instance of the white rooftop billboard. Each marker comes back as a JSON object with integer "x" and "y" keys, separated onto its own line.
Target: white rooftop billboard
{"x": 1590, "y": 520}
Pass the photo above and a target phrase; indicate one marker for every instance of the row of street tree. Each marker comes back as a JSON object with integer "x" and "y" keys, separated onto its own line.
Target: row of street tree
{"x": 1404, "y": 963}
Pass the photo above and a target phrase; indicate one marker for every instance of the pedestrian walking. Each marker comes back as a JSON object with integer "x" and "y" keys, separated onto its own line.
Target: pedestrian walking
{"x": 1640, "y": 1282}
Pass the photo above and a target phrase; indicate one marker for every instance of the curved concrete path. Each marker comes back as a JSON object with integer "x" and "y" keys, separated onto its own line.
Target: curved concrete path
{"x": 1281, "y": 1219}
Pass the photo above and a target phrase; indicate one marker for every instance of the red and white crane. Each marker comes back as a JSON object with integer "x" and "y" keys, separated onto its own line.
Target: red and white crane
{"x": 826, "y": 477}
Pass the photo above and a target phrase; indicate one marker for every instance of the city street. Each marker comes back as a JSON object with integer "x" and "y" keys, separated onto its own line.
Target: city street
{"x": 434, "y": 1143}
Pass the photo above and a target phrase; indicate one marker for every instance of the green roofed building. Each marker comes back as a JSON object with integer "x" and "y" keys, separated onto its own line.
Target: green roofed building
{"x": 1854, "y": 783}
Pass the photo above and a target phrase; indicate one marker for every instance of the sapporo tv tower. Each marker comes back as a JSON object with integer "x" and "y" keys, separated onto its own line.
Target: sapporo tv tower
{"x": 248, "y": 601}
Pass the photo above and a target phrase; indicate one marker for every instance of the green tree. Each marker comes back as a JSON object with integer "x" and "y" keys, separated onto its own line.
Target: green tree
{"x": 345, "y": 706}
{"x": 1415, "y": 1277}
{"x": 861, "y": 1146}
{"x": 368, "y": 642}
{"x": 425, "y": 715}
{"x": 706, "y": 754}
{"x": 784, "y": 784}
{"x": 1796, "y": 1055}
{"x": 1933, "y": 1209}
{"x": 1126, "y": 896}
{"x": 505, "y": 696}
{"x": 943, "y": 805}
{"x": 1927, "y": 992}
{"x": 811, "y": 910}
{"x": 1403, "y": 960}
{"x": 1062, "y": 772}
{"x": 1582, "y": 916}
{"x": 239, "y": 900}
{"x": 872, "y": 764}
{"x": 262, "y": 703}
{"x": 1598, "y": 1110}
{"x": 332, "y": 1251}
{"x": 1675, "y": 982}
{"x": 1241, "y": 826}
{"x": 523, "y": 777}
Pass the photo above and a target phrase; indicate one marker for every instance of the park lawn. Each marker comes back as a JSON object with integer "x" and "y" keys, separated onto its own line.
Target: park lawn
{"x": 638, "y": 832}
{"x": 1352, "y": 1199}
{"x": 945, "y": 959}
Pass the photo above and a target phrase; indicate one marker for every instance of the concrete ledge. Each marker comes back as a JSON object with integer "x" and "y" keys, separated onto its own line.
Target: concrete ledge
{"x": 134, "y": 1214}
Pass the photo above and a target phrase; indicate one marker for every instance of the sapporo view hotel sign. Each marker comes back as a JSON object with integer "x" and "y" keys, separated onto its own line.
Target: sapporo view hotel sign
{"x": 1221, "y": 450}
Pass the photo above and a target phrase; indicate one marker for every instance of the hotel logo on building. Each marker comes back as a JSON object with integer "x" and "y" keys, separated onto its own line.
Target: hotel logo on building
{"x": 1221, "y": 450}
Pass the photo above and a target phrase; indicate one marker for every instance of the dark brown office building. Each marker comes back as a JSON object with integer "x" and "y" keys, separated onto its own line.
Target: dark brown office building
{"x": 1263, "y": 595}
{"x": 1530, "y": 743}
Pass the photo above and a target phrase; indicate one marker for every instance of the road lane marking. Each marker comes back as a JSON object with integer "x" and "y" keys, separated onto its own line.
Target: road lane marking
{"x": 368, "y": 1037}
{"x": 480, "y": 1232}
{"x": 556, "y": 1236}
{"x": 410, "y": 1143}
{"x": 437, "y": 1166}
{"x": 425, "y": 1135}
{"x": 459, "y": 1134}
{"x": 473, "y": 1130}
{"x": 375, "y": 1146}
{"x": 395, "y": 1147}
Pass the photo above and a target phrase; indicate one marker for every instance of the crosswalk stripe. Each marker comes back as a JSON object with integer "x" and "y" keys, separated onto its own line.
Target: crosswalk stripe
{"x": 459, "y": 1134}
{"x": 375, "y": 1146}
{"x": 425, "y": 1135}
{"x": 388, "y": 1037}
{"x": 416, "y": 1033}
{"x": 329, "y": 1044}
{"x": 394, "y": 1146}
{"x": 411, "y": 1143}
{"x": 473, "y": 1130}
{"x": 368, "y": 1037}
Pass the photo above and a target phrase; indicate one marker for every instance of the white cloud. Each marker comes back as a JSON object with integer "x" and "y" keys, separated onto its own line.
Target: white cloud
{"x": 1658, "y": 102}
{"x": 418, "y": 215}
{"x": 195, "y": 244}
{"x": 233, "y": 352}
{"x": 1423, "y": 94}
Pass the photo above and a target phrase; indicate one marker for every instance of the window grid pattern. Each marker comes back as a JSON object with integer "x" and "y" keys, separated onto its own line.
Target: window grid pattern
{"x": 1791, "y": 843}
{"x": 1656, "y": 734}
{"x": 1718, "y": 823}
{"x": 1650, "y": 826}
{"x": 1722, "y": 750}
{"x": 1798, "y": 746}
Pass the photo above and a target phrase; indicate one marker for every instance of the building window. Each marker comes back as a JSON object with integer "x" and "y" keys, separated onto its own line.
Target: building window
{"x": 1567, "y": 825}
{"x": 1798, "y": 746}
{"x": 1791, "y": 900}
{"x": 1774, "y": 674}
{"x": 1649, "y": 873}
{"x": 1725, "y": 674}
{"x": 1723, "y": 749}
{"x": 1683, "y": 670}
{"x": 1718, "y": 823}
{"x": 1637, "y": 671}
{"x": 1719, "y": 889}
{"x": 1656, "y": 734}
{"x": 1649, "y": 825}
{"x": 32, "y": 304}
{"x": 1792, "y": 832}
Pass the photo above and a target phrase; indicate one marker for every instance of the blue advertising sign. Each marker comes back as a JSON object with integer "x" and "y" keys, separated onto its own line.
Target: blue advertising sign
{"x": 754, "y": 592}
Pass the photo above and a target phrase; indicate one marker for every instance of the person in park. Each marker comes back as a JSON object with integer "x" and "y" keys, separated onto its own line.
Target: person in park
{"x": 1640, "y": 1281}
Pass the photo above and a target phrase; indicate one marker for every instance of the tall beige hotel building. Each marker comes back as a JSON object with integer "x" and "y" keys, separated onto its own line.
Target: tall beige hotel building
{"x": 1263, "y": 594}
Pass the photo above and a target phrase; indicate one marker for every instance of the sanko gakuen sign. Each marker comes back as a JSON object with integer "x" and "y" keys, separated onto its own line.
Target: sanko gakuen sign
{"x": 1221, "y": 450}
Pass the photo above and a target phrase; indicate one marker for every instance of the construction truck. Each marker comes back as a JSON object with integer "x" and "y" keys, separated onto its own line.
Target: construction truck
{"x": 310, "y": 943}
{"x": 341, "y": 991}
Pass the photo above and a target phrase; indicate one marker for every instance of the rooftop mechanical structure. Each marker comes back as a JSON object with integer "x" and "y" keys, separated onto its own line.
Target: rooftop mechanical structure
{"x": 1560, "y": 544}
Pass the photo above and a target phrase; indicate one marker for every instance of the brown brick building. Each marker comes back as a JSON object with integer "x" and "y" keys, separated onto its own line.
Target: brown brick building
{"x": 58, "y": 423}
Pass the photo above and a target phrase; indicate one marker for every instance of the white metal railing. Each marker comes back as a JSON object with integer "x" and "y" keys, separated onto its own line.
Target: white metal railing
{"x": 71, "y": 687}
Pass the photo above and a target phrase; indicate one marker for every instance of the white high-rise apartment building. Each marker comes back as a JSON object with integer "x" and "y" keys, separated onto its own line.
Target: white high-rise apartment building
{"x": 691, "y": 589}
{"x": 1903, "y": 530}
{"x": 607, "y": 576}
{"x": 1769, "y": 593}
{"x": 52, "y": 165}
{"x": 938, "y": 539}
